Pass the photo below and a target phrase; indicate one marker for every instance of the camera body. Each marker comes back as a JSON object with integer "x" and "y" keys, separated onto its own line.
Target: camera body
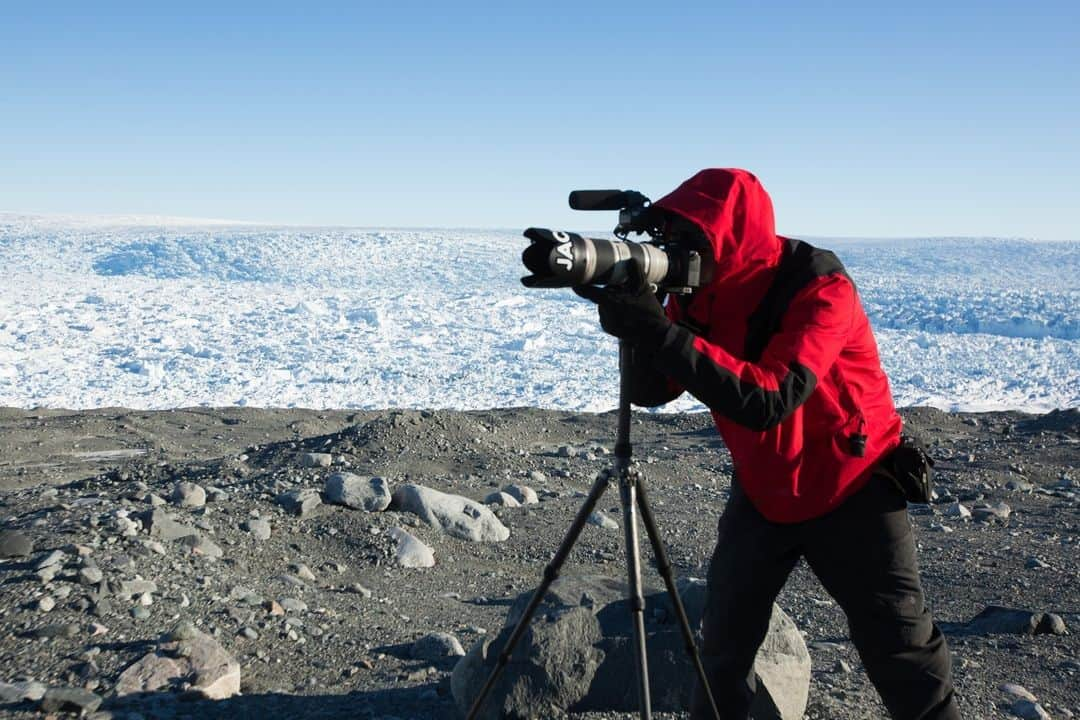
{"x": 677, "y": 257}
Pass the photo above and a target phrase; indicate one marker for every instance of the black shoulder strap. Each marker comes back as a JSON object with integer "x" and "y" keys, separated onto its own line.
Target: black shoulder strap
{"x": 802, "y": 263}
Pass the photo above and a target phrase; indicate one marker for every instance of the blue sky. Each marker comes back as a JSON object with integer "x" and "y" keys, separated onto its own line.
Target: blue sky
{"x": 862, "y": 119}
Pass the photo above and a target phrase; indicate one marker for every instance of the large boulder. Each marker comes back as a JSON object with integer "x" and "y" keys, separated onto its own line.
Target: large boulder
{"x": 359, "y": 493}
{"x": 782, "y": 663}
{"x": 453, "y": 514}
{"x": 550, "y": 669}
{"x": 186, "y": 659}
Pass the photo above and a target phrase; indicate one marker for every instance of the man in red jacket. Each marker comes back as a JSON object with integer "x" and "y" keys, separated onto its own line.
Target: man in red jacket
{"x": 777, "y": 345}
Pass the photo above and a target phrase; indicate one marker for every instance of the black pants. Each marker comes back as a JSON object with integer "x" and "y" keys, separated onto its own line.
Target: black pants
{"x": 864, "y": 554}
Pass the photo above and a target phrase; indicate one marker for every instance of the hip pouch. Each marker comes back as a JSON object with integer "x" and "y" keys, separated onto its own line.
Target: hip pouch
{"x": 911, "y": 469}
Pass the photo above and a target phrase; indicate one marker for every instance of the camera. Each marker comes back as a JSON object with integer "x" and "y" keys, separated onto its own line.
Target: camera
{"x": 677, "y": 257}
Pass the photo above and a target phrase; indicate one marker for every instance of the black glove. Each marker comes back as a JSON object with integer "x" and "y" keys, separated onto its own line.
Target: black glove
{"x": 630, "y": 311}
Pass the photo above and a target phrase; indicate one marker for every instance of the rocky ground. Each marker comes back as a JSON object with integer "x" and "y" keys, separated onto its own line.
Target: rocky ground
{"x": 133, "y": 537}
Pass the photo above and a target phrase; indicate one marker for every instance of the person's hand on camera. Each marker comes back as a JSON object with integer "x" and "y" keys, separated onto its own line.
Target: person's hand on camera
{"x": 630, "y": 311}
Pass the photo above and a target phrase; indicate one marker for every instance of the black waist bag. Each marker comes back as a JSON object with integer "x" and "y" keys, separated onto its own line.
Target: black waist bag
{"x": 911, "y": 469}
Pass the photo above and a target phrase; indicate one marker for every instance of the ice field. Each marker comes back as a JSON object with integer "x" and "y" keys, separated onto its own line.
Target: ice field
{"x": 148, "y": 313}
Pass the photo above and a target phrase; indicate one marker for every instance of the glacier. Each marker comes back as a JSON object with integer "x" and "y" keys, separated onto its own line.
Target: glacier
{"x": 163, "y": 313}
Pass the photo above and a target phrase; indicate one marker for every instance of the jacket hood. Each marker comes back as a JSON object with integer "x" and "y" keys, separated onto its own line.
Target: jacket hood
{"x": 735, "y": 212}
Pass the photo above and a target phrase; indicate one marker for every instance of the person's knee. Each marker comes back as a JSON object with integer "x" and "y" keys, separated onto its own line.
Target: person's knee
{"x": 892, "y": 625}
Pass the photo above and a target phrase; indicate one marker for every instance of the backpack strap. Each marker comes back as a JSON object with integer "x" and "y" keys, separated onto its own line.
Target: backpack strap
{"x": 802, "y": 264}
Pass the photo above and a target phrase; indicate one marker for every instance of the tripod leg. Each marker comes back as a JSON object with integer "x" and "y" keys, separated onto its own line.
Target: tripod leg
{"x": 664, "y": 566}
{"x": 627, "y": 494}
{"x": 551, "y": 573}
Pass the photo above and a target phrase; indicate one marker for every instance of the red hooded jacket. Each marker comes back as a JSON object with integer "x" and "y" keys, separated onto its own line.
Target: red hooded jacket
{"x": 807, "y": 416}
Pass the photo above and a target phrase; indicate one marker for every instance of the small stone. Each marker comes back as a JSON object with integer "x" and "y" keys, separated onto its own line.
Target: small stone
{"x": 501, "y": 499}
{"x": 56, "y": 557}
{"x": 303, "y": 572}
{"x": 46, "y": 603}
{"x": 436, "y": 646}
{"x": 522, "y": 493}
{"x": 1028, "y": 710}
{"x": 67, "y": 630}
{"x": 259, "y": 528}
{"x": 1034, "y": 563}
{"x": 15, "y": 544}
{"x": 294, "y": 605}
{"x": 315, "y": 460}
{"x": 956, "y": 510}
{"x": 1052, "y": 624}
{"x": 131, "y": 588}
{"x": 537, "y": 477}
{"x": 411, "y": 552}
{"x": 140, "y": 613}
{"x": 249, "y": 632}
{"x": 359, "y": 590}
{"x": 59, "y": 699}
{"x": 274, "y": 608}
{"x": 568, "y": 451}
{"x": 997, "y": 512}
{"x": 188, "y": 495}
{"x": 603, "y": 521}
{"x": 202, "y": 545}
{"x": 90, "y": 575}
{"x": 303, "y": 502}
{"x": 1017, "y": 691}
{"x": 20, "y": 691}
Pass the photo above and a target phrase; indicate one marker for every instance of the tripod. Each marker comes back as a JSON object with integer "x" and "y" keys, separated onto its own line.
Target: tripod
{"x": 633, "y": 497}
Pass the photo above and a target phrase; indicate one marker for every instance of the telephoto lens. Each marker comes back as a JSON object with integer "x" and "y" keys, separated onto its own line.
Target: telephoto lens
{"x": 563, "y": 259}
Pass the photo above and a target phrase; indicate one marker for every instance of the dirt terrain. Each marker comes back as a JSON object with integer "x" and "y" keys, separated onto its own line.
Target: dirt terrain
{"x": 344, "y": 648}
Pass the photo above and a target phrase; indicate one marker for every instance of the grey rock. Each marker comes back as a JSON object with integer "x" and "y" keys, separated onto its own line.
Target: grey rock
{"x": 436, "y": 646}
{"x": 304, "y": 502}
{"x": 1018, "y": 691}
{"x": 603, "y": 521}
{"x": 550, "y": 669}
{"x": 65, "y": 630}
{"x": 131, "y": 588}
{"x": 249, "y": 632}
{"x": 188, "y": 495}
{"x": 258, "y": 527}
{"x": 410, "y": 551}
{"x": 46, "y": 603}
{"x": 140, "y": 613}
{"x": 293, "y": 605}
{"x": 201, "y": 545}
{"x": 1028, "y": 710}
{"x": 303, "y": 572}
{"x": 59, "y": 699}
{"x": 522, "y": 493}
{"x": 453, "y": 514}
{"x": 316, "y": 460}
{"x": 501, "y": 499}
{"x": 782, "y": 663}
{"x": 188, "y": 658}
{"x": 1052, "y": 624}
{"x": 90, "y": 575}
{"x": 359, "y": 590}
{"x": 997, "y": 512}
{"x": 997, "y": 620}
{"x": 14, "y": 544}
{"x": 163, "y": 526}
{"x": 359, "y": 493}
{"x": 956, "y": 510}
{"x": 20, "y": 691}
{"x": 56, "y": 557}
